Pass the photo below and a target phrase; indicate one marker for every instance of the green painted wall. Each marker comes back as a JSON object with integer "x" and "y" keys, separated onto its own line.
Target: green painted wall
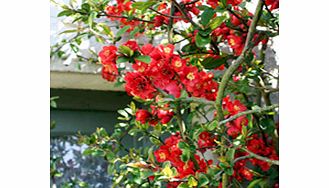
{"x": 85, "y": 110}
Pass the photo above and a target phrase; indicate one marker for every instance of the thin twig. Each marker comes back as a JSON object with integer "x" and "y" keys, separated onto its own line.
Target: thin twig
{"x": 185, "y": 14}
{"x": 254, "y": 155}
{"x": 170, "y": 24}
{"x": 192, "y": 2}
{"x": 259, "y": 110}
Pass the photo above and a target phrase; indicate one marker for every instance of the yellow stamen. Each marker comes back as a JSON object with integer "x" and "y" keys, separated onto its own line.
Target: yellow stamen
{"x": 190, "y": 76}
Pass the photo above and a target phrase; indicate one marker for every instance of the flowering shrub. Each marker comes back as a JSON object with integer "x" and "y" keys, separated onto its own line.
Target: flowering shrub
{"x": 199, "y": 92}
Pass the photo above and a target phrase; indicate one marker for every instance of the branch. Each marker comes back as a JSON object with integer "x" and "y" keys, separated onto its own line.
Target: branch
{"x": 180, "y": 122}
{"x": 171, "y": 22}
{"x": 254, "y": 155}
{"x": 114, "y": 16}
{"x": 184, "y": 14}
{"x": 228, "y": 74}
{"x": 162, "y": 14}
{"x": 242, "y": 158}
{"x": 247, "y": 48}
{"x": 165, "y": 15}
{"x": 192, "y": 2}
{"x": 197, "y": 100}
{"x": 259, "y": 110}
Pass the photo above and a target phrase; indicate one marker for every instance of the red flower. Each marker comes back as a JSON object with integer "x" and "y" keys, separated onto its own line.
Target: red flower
{"x": 235, "y": 20}
{"x": 162, "y": 154}
{"x": 273, "y": 4}
{"x": 147, "y": 49}
{"x": 139, "y": 85}
{"x": 160, "y": 20}
{"x": 166, "y": 51}
{"x": 177, "y": 63}
{"x": 142, "y": 115}
{"x": 236, "y": 43}
{"x": 140, "y": 66}
{"x": 246, "y": 174}
{"x": 205, "y": 140}
{"x": 165, "y": 115}
{"x": 110, "y": 72}
{"x": 234, "y": 2}
{"x": 132, "y": 45}
{"x": 108, "y": 54}
{"x": 118, "y": 9}
{"x": 213, "y": 3}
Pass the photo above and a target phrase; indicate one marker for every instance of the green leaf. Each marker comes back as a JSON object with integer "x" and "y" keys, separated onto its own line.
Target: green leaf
{"x": 133, "y": 32}
{"x": 212, "y": 125}
{"x": 203, "y": 7}
{"x": 123, "y": 113}
{"x": 68, "y": 31}
{"x": 126, "y": 51}
{"x": 91, "y": 18}
{"x": 254, "y": 183}
{"x": 97, "y": 152}
{"x": 214, "y": 23}
{"x": 151, "y": 155}
{"x": 143, "y": 58}
{"x": 201, "y": 41}
{"x": 65, "y": 13}
{"x": 192, "y": 181}
{"x": 204, "y": 32}
{"x": 229, "y": 171}
{"x": 230, "y": 154}
{"x": 122, "y": 59}
{"x": 186, "y": 155}
{"x": 83, "y": 184}
{"x": 118, "y": 180}
{"x": 183, "y": 185}
{"x": 206, "y": 16}
{"x": 211, "y": 63}
{"x": 85, "y": 7}
{"x": 122, "y": 30}
{"x": 110, "y": 155}
{"x": 183, "y": 145}
{"x": 203, "y": 180}
{"x": 137, "y": 179}
{"x": 155, "y": 141}
{"x": 189, "y": 48}
{"x": 87, "y": 151}
{"x": 74, "y": 48}
{"x": 224, "y": 2}
{"x": 143, "y": 5}
{"x": 53, "y": 104}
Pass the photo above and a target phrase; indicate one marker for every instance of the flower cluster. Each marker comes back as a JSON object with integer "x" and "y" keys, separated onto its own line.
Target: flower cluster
{"x": 165, "y": 10}
{"x": 157, "y": 115}
{"x": 258, "y": 146}
{"x": 115, "y": 12}
{"x": 234, "y": 107}
{"x": 108, "y": 59}
{"x": 166, "y": 71}
{"x": 171, "y": 152}
{"x": 206, "y": 140}
{"x": 236, "y": 33}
